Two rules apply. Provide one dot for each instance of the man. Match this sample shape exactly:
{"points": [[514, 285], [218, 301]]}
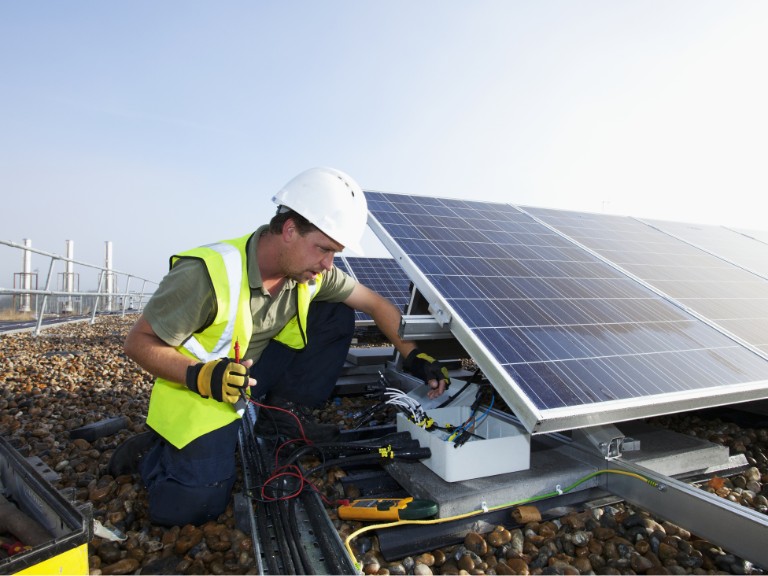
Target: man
{"points": [[276, 294]]}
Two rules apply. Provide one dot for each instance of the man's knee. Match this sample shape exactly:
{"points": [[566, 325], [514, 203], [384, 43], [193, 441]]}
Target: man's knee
{"points": [[191, 485], [174, 504]]}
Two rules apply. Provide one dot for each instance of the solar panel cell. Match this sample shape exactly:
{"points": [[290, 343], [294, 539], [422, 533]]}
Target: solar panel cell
{"points": [[717, 273], [567, 338], [382, 275]]}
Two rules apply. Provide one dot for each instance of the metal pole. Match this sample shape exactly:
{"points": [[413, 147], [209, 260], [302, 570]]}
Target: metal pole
{"points": [[108, 266], [69, 277], [125, 294], [26, 275], [141, 295], [98, 293], [45, 297]]}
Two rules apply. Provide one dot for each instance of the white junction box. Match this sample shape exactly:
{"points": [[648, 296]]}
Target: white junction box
{"points": [[497, 447]]}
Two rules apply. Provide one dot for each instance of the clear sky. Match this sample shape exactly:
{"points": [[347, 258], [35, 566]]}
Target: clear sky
{"points": [[164, 125]]}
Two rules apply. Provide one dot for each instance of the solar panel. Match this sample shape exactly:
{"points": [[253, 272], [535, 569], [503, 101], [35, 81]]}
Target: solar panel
{"points": [[740, 249], [382, 275], [340, 263], [760, 235], [692, 264], [567, 339]]}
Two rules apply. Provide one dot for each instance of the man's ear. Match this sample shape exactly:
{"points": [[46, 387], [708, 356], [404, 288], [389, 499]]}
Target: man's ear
{"points": [[289, 229]]}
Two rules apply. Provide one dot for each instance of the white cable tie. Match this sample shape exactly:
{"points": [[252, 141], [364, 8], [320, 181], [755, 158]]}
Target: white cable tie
{"points": [[559, 490], [484, 506]]}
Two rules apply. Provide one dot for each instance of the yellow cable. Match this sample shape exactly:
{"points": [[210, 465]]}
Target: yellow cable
{"points": [[356, 533]]}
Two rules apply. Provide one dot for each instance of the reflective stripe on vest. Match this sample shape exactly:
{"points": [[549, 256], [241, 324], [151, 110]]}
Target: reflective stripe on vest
{"points": [[235, 271], [175, 412]]}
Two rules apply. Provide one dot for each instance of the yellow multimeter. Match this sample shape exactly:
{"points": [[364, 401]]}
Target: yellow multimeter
{"points": [[387, 509]]}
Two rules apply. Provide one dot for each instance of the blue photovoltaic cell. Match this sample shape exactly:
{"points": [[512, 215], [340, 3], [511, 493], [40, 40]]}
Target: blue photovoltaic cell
{"points": [[711, 270], [740, 249], [567, 329], [339, 263], [383, 275]]}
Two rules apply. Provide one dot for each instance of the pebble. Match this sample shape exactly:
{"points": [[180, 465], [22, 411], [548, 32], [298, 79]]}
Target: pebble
{"points": [[499, 537], [78, 374], [475, 543], [124, 566]]}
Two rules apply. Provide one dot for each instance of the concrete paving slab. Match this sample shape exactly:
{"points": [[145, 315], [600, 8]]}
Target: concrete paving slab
{"points": [[551, 469], [671, 453], [558, 466]]}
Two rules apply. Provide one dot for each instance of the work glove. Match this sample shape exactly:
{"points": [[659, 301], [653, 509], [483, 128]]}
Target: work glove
{"points": [[425, 367], [221, 379]]}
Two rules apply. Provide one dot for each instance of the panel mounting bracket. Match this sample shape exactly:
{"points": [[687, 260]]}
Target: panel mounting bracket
{"points": [[607, 439], [423, 327], [442, 316]]}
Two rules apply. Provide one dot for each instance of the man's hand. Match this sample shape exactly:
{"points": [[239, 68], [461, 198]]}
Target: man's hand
{"points": [[432, 371], [221, 379]]}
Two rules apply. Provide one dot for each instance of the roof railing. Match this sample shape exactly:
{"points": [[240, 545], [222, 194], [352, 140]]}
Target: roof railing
{"points": [[69, 301]]}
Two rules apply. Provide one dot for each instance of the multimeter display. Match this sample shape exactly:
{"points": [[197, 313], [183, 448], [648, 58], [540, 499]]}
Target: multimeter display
{"points": [[387, 509]]}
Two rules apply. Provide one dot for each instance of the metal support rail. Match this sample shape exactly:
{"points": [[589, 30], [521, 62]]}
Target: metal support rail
{"points": [[738, 529]]}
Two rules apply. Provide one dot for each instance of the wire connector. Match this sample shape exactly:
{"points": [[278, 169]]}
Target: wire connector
{"points": [[426, 422], [387, 452]]}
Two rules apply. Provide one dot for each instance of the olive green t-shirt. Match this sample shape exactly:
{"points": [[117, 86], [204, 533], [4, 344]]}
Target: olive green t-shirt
{"points": [[184, 301]]}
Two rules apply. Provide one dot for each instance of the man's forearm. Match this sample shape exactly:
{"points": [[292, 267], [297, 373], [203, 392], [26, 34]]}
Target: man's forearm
{"points": [[145, 348]]}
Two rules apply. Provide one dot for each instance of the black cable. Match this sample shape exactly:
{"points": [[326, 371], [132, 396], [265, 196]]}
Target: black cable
{"points": [[466, 385], [292, 536], [395, 440], [264, 515], [275, 439], [362, 419], [363, 459], [293, 521], [413, 454]]}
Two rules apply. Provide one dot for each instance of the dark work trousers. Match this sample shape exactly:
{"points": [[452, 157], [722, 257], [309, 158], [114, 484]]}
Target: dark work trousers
{"points": [[193, 485], [308, 376]]}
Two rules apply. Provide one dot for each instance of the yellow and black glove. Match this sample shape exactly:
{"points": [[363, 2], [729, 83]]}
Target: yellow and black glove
{"points": [[221, 379], [425, 367]]}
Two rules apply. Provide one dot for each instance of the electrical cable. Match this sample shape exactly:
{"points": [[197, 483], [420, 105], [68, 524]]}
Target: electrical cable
{"points": [[290, 525], [396, 398], [365, 416], [466, 430], [557, 492], [396, 441], [415, 454], [466, 385]]}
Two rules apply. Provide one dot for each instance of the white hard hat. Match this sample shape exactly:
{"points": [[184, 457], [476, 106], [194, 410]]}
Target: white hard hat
{"points": [[330, 200]]}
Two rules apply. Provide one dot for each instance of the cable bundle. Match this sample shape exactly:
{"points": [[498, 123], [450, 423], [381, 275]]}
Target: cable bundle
{"points": [[405, 404]]}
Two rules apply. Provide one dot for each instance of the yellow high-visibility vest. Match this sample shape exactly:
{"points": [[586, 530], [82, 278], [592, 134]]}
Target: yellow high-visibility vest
{"points": [[175, 412]]}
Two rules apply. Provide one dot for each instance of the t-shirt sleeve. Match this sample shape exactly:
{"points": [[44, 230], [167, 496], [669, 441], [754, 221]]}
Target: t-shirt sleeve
{"points": [[336, 286], [183, 302]]}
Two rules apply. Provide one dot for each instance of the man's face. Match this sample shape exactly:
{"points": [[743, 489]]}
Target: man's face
{"points": [[310, 255]]}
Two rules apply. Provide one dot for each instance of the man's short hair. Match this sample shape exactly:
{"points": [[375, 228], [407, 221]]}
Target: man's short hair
{"points": [[283, 214]]}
